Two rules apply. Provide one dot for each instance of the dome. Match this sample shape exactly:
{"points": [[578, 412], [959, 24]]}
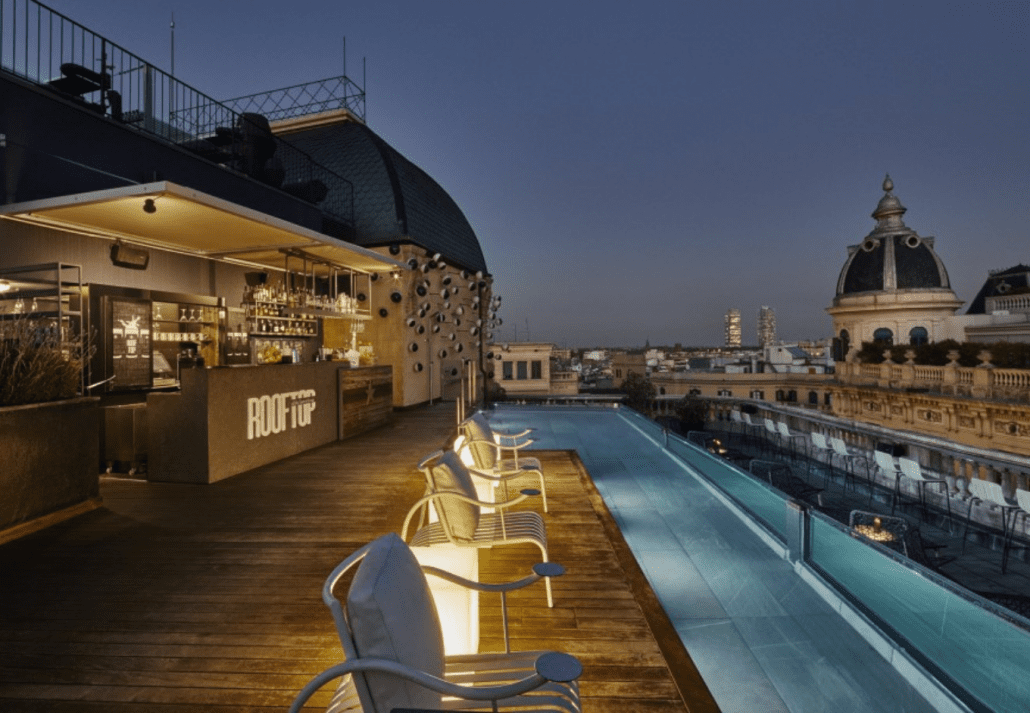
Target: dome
{"points": [[893, 256], [394, 200]]}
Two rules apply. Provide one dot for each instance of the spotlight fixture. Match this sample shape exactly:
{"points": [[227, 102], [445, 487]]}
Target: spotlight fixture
{"points": [[420, 329], [396, 296], [149, 206], [5, 286], [395, 249], [413, 347], [443, 353], [417, 366], [413, 263], [411, 321], [374, 276], [383, 312], [437, 257]]}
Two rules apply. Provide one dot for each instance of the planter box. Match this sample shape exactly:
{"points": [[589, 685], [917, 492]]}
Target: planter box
{"points": [[49, 458]]}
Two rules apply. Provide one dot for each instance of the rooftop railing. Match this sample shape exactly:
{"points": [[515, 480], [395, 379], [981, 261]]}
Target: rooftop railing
{"points": [[320, 96], [46, 48]]}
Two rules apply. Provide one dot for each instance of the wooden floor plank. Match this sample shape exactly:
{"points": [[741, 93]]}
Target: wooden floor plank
{"points": [[179, 598]]}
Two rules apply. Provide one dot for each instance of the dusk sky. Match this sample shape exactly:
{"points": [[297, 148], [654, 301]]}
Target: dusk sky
{"points": [[633, 170]]}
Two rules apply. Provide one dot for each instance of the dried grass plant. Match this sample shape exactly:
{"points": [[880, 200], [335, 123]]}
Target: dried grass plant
{"points": [[35, 366]]}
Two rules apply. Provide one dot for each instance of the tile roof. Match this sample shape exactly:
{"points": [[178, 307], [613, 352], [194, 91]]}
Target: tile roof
{"points": [[394, 200]]}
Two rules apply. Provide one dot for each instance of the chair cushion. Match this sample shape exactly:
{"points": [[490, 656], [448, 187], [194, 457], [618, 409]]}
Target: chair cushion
{"points": [[392, 616], [459, 518], [484, 452]]}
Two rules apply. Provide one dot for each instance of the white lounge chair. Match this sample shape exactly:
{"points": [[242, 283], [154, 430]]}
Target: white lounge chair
{"points": [[393, 647], [461, 522], [487, 448]]}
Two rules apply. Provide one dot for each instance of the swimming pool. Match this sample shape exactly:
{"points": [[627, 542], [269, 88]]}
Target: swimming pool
{"points": [[767, 634]]}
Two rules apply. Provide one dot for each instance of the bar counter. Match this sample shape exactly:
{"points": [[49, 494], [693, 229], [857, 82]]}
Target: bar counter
{"points": [[227, 420]]}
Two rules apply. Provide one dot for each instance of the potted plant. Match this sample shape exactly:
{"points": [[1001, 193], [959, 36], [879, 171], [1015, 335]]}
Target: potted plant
{"points": [[49, 432]]}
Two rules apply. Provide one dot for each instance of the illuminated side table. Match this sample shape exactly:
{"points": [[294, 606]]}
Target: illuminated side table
{"points": [[457, 607]]}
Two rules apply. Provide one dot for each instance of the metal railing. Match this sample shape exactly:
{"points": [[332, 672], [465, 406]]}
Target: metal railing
{"points": [[45, 47], [322, 95]]}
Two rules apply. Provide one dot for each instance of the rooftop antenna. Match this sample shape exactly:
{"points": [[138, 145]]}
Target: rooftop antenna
{"points": [[173, 43]]}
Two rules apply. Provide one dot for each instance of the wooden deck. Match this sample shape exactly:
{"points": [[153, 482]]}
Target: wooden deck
{"points": [[177, 598]]}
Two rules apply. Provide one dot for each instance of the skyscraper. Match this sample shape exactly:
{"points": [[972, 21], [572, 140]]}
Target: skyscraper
{"points": [[766, 326], [733, 328]]}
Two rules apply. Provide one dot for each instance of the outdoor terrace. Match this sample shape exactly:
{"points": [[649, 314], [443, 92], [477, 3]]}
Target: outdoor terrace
{"points": [[207, 598]]}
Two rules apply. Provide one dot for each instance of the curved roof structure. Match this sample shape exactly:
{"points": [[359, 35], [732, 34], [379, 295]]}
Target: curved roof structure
{"points": [[893, 256], [394, 200], [1012, 281]]}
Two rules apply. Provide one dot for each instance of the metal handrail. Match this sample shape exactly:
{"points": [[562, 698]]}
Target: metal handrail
{"points": [[53, 51]]}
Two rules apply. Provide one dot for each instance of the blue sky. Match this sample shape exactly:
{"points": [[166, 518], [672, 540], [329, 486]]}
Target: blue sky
{"points": [[633, 170]]}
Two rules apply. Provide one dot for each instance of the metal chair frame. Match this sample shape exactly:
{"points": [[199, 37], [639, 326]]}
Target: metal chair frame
{"points": [[985, 491], [495, 528], [499, 680], [911, 469]]}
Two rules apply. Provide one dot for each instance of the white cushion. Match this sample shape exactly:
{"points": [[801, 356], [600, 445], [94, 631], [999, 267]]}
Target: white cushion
{"points": [[392, 616], [449, 474], [484, 452]]}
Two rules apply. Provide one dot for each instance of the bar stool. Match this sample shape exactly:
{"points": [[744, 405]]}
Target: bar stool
{"points": [[848, 460], [889, 467], [772, 435], [990, 493], [789, 437], [910, 469]]}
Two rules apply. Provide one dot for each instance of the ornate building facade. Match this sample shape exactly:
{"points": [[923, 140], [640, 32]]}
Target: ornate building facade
{"points": [[893, 287]]}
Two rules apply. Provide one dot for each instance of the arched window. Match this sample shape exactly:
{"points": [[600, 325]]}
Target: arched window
{"points": [[845, 344], [918, 336], [661, 390], [884, 336], [813, 398]]}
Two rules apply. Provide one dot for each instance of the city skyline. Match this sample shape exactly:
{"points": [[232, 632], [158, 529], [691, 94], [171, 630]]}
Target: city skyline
{"points": [[630, 171]]}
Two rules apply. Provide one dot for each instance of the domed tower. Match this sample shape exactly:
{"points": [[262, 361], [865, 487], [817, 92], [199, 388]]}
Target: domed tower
{"points": [[893, 288]]}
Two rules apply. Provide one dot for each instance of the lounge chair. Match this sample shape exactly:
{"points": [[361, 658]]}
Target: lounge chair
{"points": [[461, 522], [393, 647], [487, 448]]}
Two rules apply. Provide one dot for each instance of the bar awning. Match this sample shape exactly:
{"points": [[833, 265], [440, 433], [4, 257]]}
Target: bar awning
{"points": [[187, 221]]}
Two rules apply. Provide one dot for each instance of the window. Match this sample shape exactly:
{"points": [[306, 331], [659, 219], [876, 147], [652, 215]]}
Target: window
{"points": [[884, 337], [520, 370], [506, 371], [725, 392], [918, 336], [536, 370], [756, 394], [813, 398]]}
